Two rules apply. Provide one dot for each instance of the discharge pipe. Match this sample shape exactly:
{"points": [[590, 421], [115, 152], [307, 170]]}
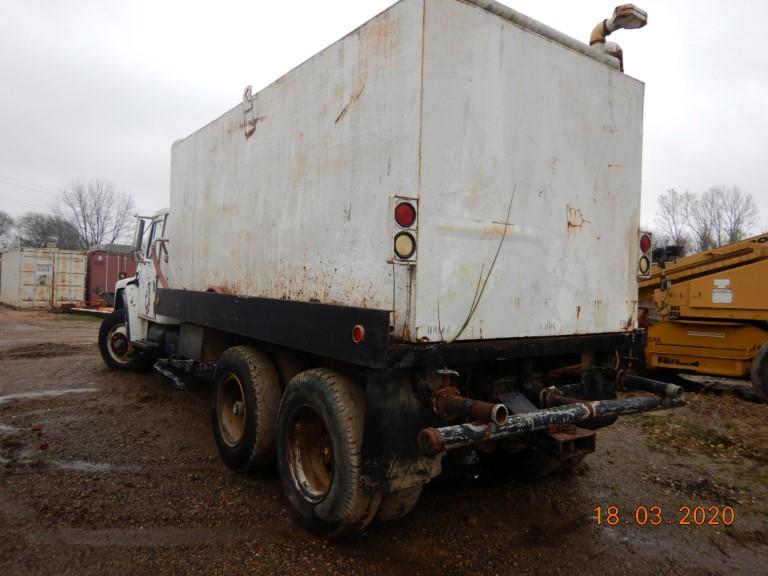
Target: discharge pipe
{"points": [[448, 402], [627, 16]]}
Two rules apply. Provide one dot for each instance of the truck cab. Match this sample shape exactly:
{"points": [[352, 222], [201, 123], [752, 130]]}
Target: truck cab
{"points": [[124, 345]]}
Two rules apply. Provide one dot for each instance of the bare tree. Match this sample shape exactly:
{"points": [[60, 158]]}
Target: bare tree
{"points": [[37, 230], [739, 214], [99, 212], [6, 225], [704, 220], [721, 215], [672, 217]]}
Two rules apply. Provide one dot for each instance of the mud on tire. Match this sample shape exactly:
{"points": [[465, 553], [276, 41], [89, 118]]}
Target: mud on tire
{"points": [[244, 404], [319, 444]]}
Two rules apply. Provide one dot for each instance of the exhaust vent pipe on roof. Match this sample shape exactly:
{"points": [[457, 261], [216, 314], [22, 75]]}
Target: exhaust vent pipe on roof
{"points": [[627, 16]]}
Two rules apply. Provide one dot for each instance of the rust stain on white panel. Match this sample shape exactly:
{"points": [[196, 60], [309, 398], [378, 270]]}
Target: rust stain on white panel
{"points": [[506, 109], [464, 107], [300, 209]]}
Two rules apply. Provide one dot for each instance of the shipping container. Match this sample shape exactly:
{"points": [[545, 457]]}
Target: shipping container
{"points": [[42, 278], [107, 264]]}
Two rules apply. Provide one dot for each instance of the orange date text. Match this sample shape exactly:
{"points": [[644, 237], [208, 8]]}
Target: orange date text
{"points": [[654, 515]]}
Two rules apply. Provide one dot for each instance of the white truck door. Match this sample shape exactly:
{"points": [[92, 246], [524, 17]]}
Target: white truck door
{"points": [[147, 268]]}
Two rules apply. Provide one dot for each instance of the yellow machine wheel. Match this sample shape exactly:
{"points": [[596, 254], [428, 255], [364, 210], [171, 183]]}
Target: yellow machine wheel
{"points": [[760, 373]]}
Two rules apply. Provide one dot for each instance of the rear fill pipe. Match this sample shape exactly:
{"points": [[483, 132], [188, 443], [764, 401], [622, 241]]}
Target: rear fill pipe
{"points": [[455, 405]]}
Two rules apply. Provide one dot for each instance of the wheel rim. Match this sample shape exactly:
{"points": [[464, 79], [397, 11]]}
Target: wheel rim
{"points": [[310, 455], [118, 344], [231, 408]]}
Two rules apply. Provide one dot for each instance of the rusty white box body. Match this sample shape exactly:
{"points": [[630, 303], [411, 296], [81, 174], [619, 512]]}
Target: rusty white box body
{"points": [[468, 113], [42, 278]]}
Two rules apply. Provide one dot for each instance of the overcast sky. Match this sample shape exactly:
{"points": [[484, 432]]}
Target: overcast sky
{"points": [[102, 88]]}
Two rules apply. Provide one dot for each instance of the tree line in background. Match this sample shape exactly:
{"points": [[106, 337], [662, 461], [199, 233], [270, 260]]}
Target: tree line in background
{"points": [[84, 215], [697, 222]]}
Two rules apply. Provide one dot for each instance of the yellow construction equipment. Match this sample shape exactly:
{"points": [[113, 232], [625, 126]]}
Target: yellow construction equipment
{"points": [[714, 313]]}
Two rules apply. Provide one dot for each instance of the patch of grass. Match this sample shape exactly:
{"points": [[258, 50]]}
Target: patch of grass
{"points": [[673, 435], [658, 420], [79, 317], [704, 435], [762, 478]]}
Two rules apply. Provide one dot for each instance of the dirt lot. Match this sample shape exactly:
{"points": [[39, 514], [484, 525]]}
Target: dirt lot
{"points": [[113, 473]]}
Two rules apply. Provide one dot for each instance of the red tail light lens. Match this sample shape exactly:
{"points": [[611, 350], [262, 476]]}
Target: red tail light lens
{"points": [[645, 243], [405, 214], [358, 333]]}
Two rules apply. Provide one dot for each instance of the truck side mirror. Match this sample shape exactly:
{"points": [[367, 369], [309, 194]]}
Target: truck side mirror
{"points": [[138, 235]]}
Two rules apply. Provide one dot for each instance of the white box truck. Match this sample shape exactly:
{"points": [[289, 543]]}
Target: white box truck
{"points": [[423, 240]]}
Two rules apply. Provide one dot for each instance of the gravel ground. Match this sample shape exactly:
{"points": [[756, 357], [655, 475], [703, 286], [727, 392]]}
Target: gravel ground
{"points": [[118, 473]]}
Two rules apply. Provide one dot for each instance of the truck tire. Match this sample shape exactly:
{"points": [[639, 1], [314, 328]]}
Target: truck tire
{"points": [[395, 505], [116, 348], [244, 404], [319, 445], [760, 373]]}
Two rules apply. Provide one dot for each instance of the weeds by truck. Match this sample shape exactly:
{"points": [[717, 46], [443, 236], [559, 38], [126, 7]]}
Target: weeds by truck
{"points": [[421, 242]]}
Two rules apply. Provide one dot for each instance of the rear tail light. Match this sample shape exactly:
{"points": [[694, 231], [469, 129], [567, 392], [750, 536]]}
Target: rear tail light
{"points": [[405, 214], [644, 266], [358, 333], [645, 243], [405, 245], [644, 261], [405, 230]]}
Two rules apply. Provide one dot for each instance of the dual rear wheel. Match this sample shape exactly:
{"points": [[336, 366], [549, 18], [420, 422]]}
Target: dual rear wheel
{"points": [[314, 432]]}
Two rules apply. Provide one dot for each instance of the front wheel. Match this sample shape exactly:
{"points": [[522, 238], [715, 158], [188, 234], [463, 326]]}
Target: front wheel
{"points": [[319, 453], [116, 348]]}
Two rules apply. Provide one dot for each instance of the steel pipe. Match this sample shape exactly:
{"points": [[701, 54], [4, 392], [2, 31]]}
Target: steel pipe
{"points": [[433, 441], [448, 403], [670, 391]]}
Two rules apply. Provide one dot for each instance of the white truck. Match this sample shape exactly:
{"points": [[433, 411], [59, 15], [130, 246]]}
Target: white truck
{"points": [[423, 240]]}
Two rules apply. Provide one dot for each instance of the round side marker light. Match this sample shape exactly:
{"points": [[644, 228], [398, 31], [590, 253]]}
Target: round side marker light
{"points": [[405, 245], [644, 265], [645, 243], [405, 214], [358, 333]]}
